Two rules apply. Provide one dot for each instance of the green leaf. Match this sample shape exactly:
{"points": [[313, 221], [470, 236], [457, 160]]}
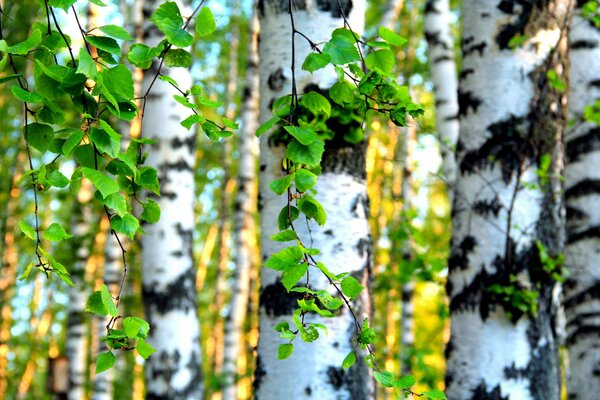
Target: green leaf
{"points": [[292, 275], [191, 120], [151, 212], [283, 220], [144, 349], [64, 4], [27, 271], [148, 179], [57, 179], [103, 183], [305, 136], [39, 136], [342, 47], [316, 61], [351, 287], [342, 93], [141, 55], [104, 142], [285, 236], [309, 305], [7, 78], [168, 19], [405, 382], [27, 45], [280, 186], [105, 361], [316, 103], [205, 22], [86, 65], [118, 82], [105, 43], [309, 155], [285, 258], [284, 351], [27, 230], [328, 300], [305, 180], [391, 37], [349, 360], [108, 302], [313, 209], [26, 96], [55, 233], [184, 101], [128, 224], [435, 394], [116, 32], [385, 378], [178, 58], [117, 203], [267, 125], [131, 327], [381, 60]]}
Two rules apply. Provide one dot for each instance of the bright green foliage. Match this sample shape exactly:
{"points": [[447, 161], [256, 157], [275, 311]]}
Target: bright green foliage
{"points": [[105, 361], [205, 23]]}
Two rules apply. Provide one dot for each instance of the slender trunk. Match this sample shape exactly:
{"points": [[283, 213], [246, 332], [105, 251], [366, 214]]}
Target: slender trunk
{"points": [[440, 44], [169, 273], [582, 173], [503, 342], [314, 369], [244, 226]]}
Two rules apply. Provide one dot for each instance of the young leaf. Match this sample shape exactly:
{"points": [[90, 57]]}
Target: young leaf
{"points": [[27, 271], [27, 45], [305, 180], [385, 378], [148, 179], [26, 96], [405, 382], [151, 212], [305, 136], [316, 103], [391, 37], [309, 155], [351, 287], [342, 93], [95, 305], [144, 349], [105, 43], [313, 209], [131, 327], [116, 202], [168, 19], [283, 219], [342, 47], [86, 65], [279, 186], [27, 230], [108, 302], [205, 22], [267, 125], [56, 233], [292, 275], [315, 61], [116, 32], [284, 351], [178, 58], [57, 179], [285, 258], [103, 183], [381, 60], [128, 224], [285, 236], [104, 142], [349, 360], [435, 394], [39, 136], [141, 55], [105, 361]]}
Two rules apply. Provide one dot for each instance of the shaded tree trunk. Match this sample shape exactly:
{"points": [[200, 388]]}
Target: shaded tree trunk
{"points": [[440, 45], [503, 341], [169, 273], [582, 289], [244, 232], [314, 369]]}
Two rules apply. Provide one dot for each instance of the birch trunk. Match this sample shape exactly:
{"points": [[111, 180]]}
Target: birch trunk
{"points": [[582, 289], [440, 45], [510, 119], [314, 369], [169, 273], [244, 232]]}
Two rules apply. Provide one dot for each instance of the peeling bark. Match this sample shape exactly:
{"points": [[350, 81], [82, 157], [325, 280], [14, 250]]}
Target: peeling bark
{"points": [[314, 369], [510, 118]]}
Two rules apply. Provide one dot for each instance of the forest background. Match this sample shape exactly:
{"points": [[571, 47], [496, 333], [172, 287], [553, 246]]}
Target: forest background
{"points": [[409, 218]]}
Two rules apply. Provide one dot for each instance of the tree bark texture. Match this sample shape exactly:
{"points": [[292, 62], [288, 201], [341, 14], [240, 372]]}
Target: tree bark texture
{"points": [[440, 45], [169, 273], [582, 288], [511, 118], [314, 369]]}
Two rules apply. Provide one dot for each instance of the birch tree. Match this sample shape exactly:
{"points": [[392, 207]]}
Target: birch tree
{"points": [[169, 273], [314, 369], [582, 294], [244, 232], [440, 46], [507, 222]]}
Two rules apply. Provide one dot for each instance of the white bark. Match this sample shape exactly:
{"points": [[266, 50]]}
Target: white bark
{"points": [[440, 44], [390, 18], [582, 289], [169, 273], [314, 369], [510, 117], [244, 232], [76, 341]]}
